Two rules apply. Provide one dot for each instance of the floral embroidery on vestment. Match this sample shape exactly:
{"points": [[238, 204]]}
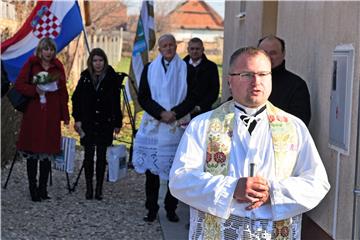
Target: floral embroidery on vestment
{"points": [[219, 137]]}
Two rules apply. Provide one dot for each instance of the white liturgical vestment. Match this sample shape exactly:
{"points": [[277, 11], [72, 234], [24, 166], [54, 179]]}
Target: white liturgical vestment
{"points": [[204, 192]]}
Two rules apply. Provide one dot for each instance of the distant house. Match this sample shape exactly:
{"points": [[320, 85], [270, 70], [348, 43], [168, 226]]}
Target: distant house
{"points": [[196, 18], [108, 20], [108, 16]]}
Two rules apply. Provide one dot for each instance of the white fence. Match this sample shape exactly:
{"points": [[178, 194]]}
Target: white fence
{"points": [[110, 42], [7, 10]]}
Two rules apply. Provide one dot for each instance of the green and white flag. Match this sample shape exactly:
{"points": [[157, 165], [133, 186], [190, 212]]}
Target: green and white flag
{"points": [[144, 42]]}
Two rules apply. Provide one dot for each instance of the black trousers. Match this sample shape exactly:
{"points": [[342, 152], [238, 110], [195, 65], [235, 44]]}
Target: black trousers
{"points": [[152, 186], [100, 161]]}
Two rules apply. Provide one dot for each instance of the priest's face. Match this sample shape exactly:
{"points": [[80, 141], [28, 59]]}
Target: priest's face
{"points": [[167, 48], [250, 79]]}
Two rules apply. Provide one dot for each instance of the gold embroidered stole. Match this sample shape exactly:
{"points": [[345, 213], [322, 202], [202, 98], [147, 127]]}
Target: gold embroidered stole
{"points": [[219, 137]]}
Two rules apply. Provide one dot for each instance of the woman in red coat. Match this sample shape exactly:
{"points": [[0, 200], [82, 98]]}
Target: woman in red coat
{"points": [[40, 133]]}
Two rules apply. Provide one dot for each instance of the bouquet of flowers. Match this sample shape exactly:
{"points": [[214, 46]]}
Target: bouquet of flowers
{"points": [[46, 83]]}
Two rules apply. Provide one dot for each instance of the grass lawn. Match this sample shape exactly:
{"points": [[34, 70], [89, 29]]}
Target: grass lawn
{"points": [[123, 65]]}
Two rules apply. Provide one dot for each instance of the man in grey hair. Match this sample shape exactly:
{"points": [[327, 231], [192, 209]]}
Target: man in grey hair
{"points": [[165, 96]]}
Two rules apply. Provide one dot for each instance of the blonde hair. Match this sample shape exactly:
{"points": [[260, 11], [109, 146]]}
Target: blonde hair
{"points": [[45, 43]]}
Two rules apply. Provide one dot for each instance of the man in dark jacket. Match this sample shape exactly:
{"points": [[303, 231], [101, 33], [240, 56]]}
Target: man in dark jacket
{"points": [[205, 76], [289, 91]]}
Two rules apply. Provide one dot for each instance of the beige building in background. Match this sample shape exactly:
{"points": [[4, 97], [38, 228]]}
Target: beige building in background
{"points": [[312, 32]]}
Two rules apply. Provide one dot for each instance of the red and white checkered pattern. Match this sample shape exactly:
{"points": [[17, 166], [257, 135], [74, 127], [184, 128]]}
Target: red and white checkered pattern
{"points": [[47, 26]]}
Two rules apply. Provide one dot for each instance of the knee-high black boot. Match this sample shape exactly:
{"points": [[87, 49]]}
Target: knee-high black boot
{"points": [[100, 170], [89, 170], [45, 166], [31, 167]]}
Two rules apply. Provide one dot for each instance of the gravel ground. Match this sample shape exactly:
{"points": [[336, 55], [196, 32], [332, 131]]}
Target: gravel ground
{"points": [[68, 215]]}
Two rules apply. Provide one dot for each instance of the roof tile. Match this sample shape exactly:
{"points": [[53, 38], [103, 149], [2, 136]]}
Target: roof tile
{"points": [[195, 14]]}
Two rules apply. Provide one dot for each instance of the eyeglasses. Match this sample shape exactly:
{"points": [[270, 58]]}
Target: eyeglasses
{"points": [[250, 75]]}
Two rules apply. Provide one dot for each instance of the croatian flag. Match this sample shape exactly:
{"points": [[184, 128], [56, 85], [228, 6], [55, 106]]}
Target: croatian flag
{"points": [[60, 20]]}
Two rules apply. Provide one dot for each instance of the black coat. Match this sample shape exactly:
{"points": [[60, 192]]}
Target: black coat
{"points": [[153, 108], [98, 110], [205, 77], [290, 93]]}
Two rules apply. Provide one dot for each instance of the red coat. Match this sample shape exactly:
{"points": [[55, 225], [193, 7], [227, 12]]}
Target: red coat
{"points": [[40, 130]]}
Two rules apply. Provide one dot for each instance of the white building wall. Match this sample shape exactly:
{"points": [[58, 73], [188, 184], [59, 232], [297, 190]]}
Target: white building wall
{"points": [[239, 32], [205, 35], [311, 31]]}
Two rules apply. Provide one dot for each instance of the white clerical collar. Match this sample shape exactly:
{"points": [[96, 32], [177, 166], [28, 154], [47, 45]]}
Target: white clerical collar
{"points": [[191, 62], [166, 62], [249, 111]]}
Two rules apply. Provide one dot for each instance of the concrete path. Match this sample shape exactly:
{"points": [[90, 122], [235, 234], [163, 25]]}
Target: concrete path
{"points": [[170, 230]]}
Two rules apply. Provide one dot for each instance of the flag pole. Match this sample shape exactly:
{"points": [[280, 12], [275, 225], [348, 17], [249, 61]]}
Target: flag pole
{"points": [[86, 40], [87, 22]]}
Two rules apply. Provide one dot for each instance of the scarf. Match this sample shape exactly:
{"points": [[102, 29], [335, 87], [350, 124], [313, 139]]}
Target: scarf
{"points": [[168, 88]]}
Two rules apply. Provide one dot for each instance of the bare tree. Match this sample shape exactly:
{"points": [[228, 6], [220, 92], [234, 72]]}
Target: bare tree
{"points": [[162, 9], [23, 9], [100, 12]]}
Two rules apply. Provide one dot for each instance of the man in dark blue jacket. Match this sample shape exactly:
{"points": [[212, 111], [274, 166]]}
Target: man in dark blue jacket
{"points": [[289, 91], [205, 76]]}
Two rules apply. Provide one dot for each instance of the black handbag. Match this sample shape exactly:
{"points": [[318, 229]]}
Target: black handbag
{"points": [[18, 100]]}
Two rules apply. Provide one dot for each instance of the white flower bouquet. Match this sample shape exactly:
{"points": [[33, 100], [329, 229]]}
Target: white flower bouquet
{"points": [[45, 82]]}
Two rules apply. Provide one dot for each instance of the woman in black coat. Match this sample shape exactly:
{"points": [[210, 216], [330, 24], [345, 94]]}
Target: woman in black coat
{"points": [[97, 114]]}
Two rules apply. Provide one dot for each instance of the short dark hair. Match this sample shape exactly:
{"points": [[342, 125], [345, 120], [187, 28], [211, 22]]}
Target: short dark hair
{"points": [[252, 51], [196, 40], [271, 37]]}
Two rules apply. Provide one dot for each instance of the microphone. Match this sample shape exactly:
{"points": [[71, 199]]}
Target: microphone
{"points": [[252, 169]]}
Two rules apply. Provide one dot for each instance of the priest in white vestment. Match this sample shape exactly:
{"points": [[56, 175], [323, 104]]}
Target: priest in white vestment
{"points": [[165, 96], [247, 169]]}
